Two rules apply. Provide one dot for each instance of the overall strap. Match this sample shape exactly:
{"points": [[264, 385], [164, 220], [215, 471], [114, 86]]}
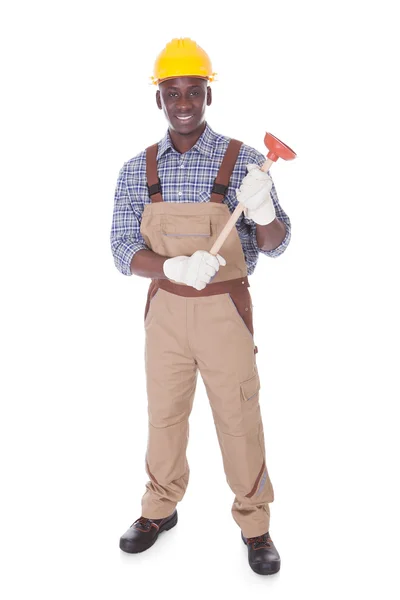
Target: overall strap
{"points": [[153, 181], [221, 182]]}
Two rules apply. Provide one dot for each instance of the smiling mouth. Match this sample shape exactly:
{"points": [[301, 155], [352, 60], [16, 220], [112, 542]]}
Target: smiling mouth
{"points": [[185, 118]]}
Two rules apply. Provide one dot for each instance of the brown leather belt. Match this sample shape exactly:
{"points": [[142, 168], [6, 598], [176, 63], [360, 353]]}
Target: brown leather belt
{"points": [[221, 287]]}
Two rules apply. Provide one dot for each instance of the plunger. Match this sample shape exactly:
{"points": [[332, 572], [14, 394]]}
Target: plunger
{"points": [[277, 149]]}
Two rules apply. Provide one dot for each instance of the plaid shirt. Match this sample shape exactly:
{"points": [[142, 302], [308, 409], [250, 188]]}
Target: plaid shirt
{"points": [[186, 177]]}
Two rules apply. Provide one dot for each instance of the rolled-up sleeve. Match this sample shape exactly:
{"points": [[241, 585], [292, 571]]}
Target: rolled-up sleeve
{"points": [[126, 238]]}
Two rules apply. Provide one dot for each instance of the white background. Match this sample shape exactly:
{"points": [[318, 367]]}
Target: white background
{"points": [[76, 104]]}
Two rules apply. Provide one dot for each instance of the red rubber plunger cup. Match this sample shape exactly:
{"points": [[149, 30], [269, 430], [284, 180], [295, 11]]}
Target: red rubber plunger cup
{"points": [[277, 149]]}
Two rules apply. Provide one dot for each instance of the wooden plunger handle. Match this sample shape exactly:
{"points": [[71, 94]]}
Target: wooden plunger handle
{"points": [[233, 218]]}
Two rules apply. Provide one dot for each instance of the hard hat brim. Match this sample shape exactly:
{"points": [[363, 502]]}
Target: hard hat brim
{"points": [[208, 78]]}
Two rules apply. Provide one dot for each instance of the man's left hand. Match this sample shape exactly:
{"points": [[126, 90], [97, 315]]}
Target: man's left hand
{"points": [[254, 194]]}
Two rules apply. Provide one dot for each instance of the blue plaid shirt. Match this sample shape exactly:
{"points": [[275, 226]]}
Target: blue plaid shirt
{"points": [[186, 177]]}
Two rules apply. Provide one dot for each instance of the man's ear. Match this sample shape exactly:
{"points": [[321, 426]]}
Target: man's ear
{"points": [[209, 96], [158, 99]]}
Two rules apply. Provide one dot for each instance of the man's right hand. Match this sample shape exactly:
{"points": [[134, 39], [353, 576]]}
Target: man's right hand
{"points": [[196, 270]]}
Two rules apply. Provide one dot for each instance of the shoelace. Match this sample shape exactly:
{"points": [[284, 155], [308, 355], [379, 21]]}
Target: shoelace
{"points": [[260, 540], [142, 520]]}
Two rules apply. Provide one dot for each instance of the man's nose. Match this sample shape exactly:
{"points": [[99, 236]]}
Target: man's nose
{"points": [[183, 103]]}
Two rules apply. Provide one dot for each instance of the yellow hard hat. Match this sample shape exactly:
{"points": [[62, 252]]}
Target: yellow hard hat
{"points": [[182, 57]]}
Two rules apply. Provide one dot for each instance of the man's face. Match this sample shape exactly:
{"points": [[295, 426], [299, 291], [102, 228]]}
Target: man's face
{"points": [[184, 101]]}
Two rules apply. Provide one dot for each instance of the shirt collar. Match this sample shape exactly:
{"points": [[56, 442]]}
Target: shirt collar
{"points": [[205, 144]]}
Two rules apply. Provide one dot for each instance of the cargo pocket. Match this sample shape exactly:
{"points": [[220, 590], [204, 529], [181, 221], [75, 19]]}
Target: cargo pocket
{"points": [[250, 392], [250, 388]]}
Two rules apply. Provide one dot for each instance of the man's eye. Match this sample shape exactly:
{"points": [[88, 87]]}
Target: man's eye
{"points": [[195, 93], [172, 94]]}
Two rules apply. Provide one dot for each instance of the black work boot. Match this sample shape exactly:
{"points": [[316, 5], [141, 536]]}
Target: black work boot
{"points": [[143, 533], [264, 558]]}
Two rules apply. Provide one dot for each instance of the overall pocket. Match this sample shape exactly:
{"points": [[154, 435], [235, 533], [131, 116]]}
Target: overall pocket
{"points": [[240, 301], [151, 294], [184, 234], [183, 226]]}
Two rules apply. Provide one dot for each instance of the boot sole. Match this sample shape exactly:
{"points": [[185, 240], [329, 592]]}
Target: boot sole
{"points": [[126, 547], [264, 568]]}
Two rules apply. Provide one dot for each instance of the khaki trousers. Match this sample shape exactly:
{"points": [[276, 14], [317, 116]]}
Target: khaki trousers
{"points": [[185, 335]]}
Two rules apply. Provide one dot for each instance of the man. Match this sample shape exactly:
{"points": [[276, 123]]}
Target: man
{"points": [[171, 203]]}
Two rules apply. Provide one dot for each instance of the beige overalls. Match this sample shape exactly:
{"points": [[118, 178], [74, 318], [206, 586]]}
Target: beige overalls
{"points": [[208, 331]]}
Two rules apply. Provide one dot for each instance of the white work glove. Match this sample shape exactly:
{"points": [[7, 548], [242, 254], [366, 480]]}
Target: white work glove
{"points": [[254, 193], [196, 270]]}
